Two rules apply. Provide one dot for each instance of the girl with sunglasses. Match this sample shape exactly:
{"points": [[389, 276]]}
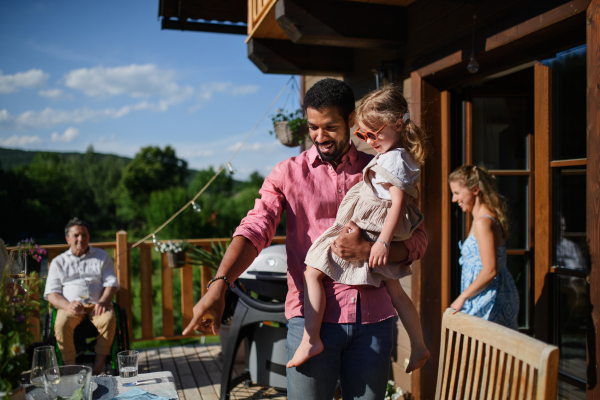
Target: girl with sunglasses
{"points": [[382, 205]]}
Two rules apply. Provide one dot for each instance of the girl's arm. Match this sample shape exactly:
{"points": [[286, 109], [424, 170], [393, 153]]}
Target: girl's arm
{"points": [[379, 251], [482, 230]]}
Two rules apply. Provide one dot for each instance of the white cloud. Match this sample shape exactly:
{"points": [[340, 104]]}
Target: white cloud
{"points": [[50, 116], [264, 147], [68, 136], [54, 94], [30, 79], [137, 81], [20, 140], [207, 90]]}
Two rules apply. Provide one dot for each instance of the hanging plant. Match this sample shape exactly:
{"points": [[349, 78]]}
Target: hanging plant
{"points": [[291, 129]]}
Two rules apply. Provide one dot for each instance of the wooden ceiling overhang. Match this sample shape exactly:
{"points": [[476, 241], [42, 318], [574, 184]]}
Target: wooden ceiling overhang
{"points": [[219, 16], [434, 37]]}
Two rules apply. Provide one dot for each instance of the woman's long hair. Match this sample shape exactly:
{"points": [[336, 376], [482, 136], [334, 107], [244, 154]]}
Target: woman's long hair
{"points": [[385, 106], [470, 176]]}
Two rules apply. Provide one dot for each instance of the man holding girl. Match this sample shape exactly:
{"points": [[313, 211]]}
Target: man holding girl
{"points": [[357, 321]]}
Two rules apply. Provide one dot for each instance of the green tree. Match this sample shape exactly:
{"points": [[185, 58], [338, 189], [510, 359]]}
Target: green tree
{"points": [[152, 169]]}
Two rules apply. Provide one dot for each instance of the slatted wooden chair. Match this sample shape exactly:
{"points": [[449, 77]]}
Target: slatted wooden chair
{"points": [[483, 360]]}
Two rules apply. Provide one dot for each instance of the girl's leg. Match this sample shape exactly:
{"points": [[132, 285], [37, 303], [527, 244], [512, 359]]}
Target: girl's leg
{"points": [[410, 319], [314, 307]]}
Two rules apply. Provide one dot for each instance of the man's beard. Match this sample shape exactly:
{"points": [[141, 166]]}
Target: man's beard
{"points": [[338, 148]]}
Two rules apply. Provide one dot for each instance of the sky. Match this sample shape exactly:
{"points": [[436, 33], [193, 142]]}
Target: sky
{"points": [[103, 73]]}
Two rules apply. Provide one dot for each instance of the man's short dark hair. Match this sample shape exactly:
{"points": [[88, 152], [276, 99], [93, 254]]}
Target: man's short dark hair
{"points": [[329, 93], [76, 222]]}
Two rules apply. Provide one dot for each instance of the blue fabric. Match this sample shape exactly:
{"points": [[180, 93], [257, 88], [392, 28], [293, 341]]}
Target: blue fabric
{"points": [[358, 354], [499, 302], [138, 394]]}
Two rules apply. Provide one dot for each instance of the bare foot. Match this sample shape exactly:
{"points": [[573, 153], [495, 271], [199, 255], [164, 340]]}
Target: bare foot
{"points": [[305, 351], [417, 359]]}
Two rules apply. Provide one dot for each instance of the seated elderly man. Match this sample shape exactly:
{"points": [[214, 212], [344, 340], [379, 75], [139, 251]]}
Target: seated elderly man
{"points": [[81, 284]]}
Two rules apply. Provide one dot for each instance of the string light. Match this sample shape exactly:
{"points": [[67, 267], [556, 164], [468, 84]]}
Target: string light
{"points": [[231, 169], [196, 206], [229, 166]]}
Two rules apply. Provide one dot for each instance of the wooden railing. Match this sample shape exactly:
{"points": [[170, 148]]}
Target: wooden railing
{"points": [[122, 262], [257, 10]]}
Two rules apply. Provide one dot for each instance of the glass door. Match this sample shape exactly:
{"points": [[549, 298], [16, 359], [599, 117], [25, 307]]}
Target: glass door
{"points": [[498, 135], [568, 170]]}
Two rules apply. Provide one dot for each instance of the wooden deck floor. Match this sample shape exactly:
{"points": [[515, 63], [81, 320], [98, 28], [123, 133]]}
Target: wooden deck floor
{"points": [[197, 372]]}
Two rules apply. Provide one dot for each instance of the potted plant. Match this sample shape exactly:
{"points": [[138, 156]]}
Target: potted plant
{"points": [[15, 337], [212, 259], [33, 252], [291, 129], [175, 252]]}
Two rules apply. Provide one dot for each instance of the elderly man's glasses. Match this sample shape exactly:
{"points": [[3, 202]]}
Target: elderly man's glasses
{"points": [[368, 134]]}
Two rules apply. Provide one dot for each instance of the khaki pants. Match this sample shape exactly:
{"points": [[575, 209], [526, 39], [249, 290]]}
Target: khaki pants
{"points": [[65, 325]]}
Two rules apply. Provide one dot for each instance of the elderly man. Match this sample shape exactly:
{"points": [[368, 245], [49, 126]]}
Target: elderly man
{"points": [[81, 284]]}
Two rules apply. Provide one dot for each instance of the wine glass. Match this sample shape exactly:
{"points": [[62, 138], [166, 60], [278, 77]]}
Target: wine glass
{"points": [[16, 267], [44, 358], [85, 297]]}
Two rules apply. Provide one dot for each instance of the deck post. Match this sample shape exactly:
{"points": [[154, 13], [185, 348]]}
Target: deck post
{"points": [[124, 276], [146, 291]]}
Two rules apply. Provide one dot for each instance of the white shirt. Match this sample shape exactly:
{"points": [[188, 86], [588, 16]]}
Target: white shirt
{"points": [[400, 163], [69, 275]]}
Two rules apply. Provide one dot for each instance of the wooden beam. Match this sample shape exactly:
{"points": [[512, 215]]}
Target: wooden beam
{"points": [[445, 152], [284, 57], [593, 197], [180, 25], [167, 297], [543, 199], [187, 292], [208, 10], [535, 24], [441, 64], [427, 276], [340, 23], [122, 257], [146, 290]]}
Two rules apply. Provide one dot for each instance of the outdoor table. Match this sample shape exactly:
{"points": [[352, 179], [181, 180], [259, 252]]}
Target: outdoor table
{"points": [[158, 383]]}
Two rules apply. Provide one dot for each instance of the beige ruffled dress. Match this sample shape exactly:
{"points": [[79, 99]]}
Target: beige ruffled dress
{"points": [[369, 212]]}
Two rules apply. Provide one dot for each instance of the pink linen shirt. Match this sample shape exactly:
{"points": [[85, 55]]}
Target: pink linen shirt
{"points": [[310, 191]]}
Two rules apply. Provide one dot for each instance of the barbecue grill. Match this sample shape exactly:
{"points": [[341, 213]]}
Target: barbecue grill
{"points": [[259, 320]]}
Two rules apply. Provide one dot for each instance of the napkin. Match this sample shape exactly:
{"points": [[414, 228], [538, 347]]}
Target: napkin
{"points": [[138, 394]]}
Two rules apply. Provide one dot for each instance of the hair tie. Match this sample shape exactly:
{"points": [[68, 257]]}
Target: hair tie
{"points": [[405, 117]]}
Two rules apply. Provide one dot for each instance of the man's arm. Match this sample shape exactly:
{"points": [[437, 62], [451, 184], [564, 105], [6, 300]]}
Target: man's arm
{"points": [[208, 311], [104, 302], [351, 245], [58, 301]]}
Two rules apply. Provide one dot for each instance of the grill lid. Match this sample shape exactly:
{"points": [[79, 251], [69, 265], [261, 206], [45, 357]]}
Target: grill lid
{"points": [[271, 264]]}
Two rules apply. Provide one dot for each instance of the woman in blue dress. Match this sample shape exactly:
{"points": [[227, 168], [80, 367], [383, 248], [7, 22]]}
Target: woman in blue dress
{"points": [[487, 287]]}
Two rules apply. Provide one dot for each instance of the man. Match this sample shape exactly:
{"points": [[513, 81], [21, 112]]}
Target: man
{"points": [[357, 324], [81, 284]]}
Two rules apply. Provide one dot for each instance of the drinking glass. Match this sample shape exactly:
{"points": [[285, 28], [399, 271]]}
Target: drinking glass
{"points": [[16, 267], [128, 367], [44, 358], [69, 382]]}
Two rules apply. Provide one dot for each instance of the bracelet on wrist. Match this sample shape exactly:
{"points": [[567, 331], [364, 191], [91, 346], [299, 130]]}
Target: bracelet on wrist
{"points": [[386, 244], [216, 278]]}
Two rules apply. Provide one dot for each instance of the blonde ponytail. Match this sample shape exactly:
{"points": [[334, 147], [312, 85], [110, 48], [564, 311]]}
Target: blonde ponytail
{"points": [[470, 176]]}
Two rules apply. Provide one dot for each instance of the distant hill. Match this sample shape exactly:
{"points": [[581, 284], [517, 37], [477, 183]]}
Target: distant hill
{"points": [[12, 158]]}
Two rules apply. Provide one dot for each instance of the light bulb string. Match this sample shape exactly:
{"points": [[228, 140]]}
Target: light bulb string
{"points": [[153, 234]]}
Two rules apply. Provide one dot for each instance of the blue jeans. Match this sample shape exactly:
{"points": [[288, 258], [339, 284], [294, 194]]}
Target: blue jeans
{"points": [[358, 354]]}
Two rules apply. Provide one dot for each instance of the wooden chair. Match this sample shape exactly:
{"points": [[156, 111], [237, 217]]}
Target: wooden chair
{"points": [[483, 360]]}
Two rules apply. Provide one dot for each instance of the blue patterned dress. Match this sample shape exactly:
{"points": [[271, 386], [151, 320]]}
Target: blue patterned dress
{"points": [[499, 301]]}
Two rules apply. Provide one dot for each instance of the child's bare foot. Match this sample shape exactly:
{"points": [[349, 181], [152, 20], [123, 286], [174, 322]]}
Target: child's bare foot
{"points": [[305, 351], [417, 359]]}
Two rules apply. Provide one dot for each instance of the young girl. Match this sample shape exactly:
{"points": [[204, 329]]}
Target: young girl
{"points": [[382, 206], [487, 287]]}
